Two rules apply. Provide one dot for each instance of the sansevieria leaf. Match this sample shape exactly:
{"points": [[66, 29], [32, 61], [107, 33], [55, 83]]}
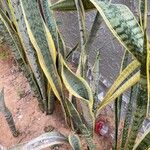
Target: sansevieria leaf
{"points": [[74, 142], [121, 78], [69, 5], [79, 88], [129, 114], [17, 50], [143, 143], [50, 100], [80, 125], [142, 104], [16, 11], [7, 114], [43, 141], [118, 101], [82, 67], [44, 46], [143, 14], [93, 32], [52, 26], [131, 81], [123, 25], [96, 73]]}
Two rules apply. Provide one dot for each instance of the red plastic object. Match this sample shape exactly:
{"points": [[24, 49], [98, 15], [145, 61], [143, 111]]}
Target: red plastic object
{"points": [[99, 126]]}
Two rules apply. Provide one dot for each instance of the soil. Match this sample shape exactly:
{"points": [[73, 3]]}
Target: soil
{"points": [[29, 120]]}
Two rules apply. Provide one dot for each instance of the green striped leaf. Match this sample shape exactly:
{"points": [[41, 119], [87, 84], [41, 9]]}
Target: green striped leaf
{"points": [[80, 125], [69, 5], [129, 114], [143, 143], [19, 21], [118, 101], [51, 100], [51, 24], [96, 73], [74, 142], [122, 77], [79, 88], [139, 114], [93, 32], [131, 81], [143, 96], [81, 21], [13, 40], [143, 13], [44, 46], [123, 25], [7, 114], [2, 103], [86, 108]]}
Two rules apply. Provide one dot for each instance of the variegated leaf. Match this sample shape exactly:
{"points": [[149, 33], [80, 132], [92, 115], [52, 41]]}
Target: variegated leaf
{"points": [[69, 5], [129, 114], [122, 77], [43, 141], [44, 46], [80, 125], [19, 21], [74, 142], [51, 24], [143, 143], [7, 114], [13, 40], [122, 23], [131, 81], [79, 88]]}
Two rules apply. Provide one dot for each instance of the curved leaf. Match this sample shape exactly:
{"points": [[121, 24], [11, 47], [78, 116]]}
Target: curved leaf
{"points": [[122, 77], [43, 141], [75, 83], [69, 5], [131, 81], [142, 104], [123, 25], [80, 125], [74, 142], [143, 97], [78, 87]]}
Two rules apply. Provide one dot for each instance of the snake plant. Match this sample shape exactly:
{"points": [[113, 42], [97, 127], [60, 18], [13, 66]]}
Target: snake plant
{"points": [[40, 51]]}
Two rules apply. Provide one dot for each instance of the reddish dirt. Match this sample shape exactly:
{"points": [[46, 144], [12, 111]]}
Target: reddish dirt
{"points": [[29, 120]]}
